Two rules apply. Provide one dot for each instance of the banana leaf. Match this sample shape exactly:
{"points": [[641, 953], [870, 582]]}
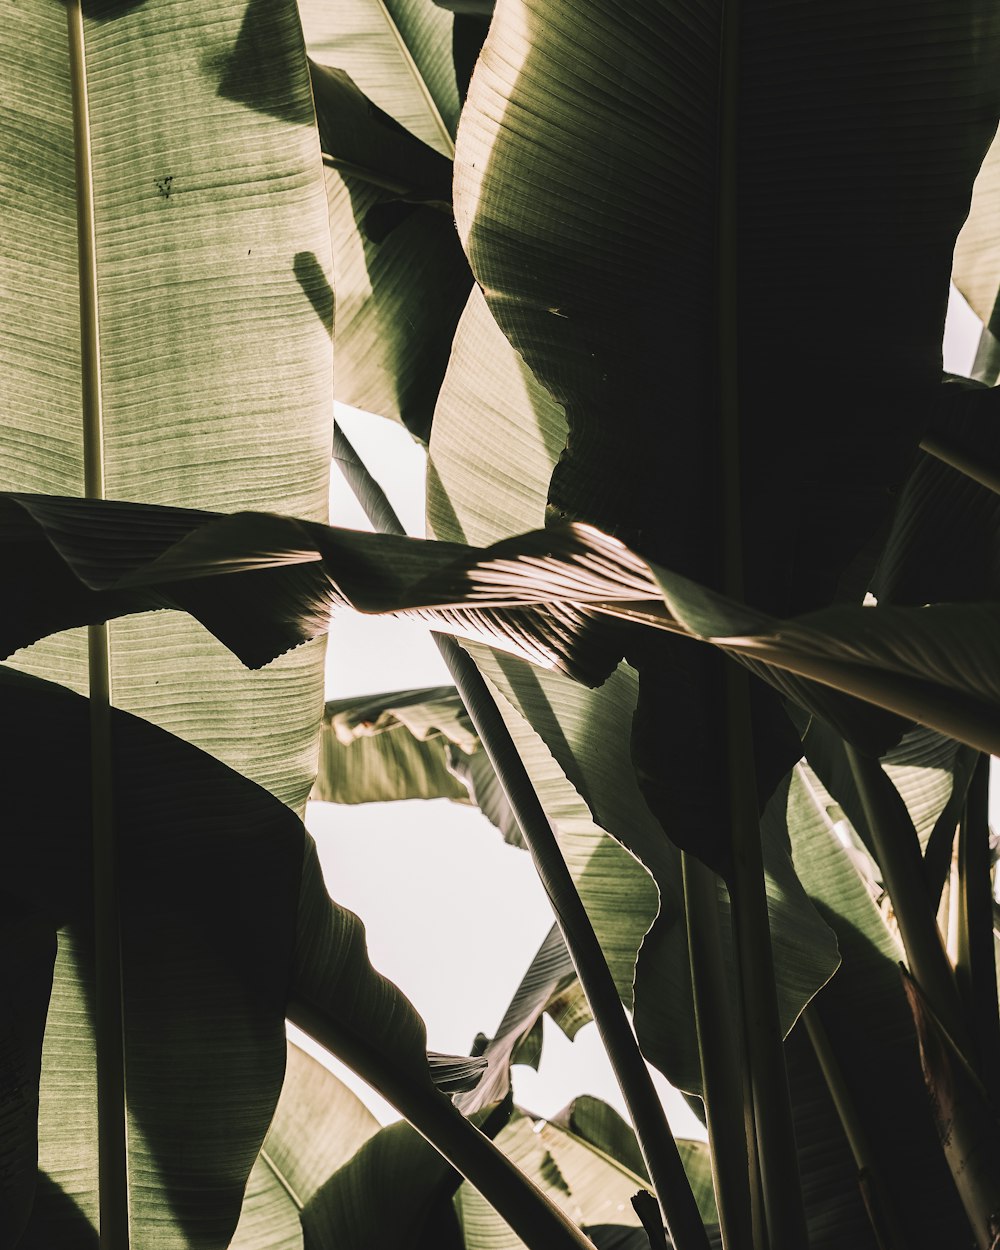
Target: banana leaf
{"points": [[866, 1018], [211, 246], [394, 746], [400, 275], [592, 194], [264, 583], [318, 1126], [226, 928]]}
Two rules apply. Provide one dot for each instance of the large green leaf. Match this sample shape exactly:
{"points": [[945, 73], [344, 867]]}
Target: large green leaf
{"points": [[395, 1194], [591, 194], [318, 1125], [556, 596], [226, 927], [400, 275], [211, 247]]}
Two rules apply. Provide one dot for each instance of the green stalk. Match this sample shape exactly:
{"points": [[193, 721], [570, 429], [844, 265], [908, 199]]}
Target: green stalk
{"points": [[662, 1158], [874, 1191], [729, 1128], [779, 1170], [765, 1059], [108, 1015], [898, 850], [966, 1123], [975, 965], [536, 1220]]}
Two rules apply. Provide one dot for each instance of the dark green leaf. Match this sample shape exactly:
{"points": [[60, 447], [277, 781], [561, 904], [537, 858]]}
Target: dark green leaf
{"points": [[224, 916], [383, 1198]]}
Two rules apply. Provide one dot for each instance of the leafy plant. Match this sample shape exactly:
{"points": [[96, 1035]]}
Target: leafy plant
{"points": [[679, 376]]}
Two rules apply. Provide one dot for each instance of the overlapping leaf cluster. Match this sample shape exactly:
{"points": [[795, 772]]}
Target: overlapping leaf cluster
{"points": [[570, 400]]}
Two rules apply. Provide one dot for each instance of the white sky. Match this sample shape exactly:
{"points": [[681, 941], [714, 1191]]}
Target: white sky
{"points": [[453, 914]]}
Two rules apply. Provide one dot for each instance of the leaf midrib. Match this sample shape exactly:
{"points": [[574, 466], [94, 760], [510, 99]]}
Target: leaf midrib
{"points": [[282, 1179], [418, 78]]}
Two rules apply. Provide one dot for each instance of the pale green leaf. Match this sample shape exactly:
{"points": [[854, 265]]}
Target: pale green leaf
{"points": [[318, 1125], [393, 746], [400, 275], [976, 270], [600, 1126], [212, 247]]}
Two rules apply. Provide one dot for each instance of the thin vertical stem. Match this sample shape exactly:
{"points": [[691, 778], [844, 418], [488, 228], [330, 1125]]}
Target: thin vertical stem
{"points": [[659, 1149], [778, 1158], [768, 1080], [898, 850], [718, 1047], [874, 1191], [108, 1016], [975, 965]]}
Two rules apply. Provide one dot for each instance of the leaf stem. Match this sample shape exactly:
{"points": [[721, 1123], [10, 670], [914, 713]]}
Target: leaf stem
{"points": [[659, 1149], [779, 1169], [531, 1215], [975, 966], [108, 1014], [718, 1049], [764, 1052], [898, 850], [874, 1191]]}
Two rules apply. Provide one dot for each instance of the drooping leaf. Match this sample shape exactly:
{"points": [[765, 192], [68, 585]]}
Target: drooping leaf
{"points": [[414, 744], [550, 985], [400, 275], [212, 960], [211, 241], [592, 1185], [393, 746]]}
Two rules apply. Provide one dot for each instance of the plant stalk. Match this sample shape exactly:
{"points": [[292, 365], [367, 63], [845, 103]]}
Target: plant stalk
{"points": [[779, 1170], [729, 1129], [662, 1158], [898, 850], [874, 1192], [975, 965], [536, 1220], [764, 1051], [108, 1013]]}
